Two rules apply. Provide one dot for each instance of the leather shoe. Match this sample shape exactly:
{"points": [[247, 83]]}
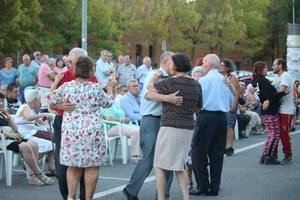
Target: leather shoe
{"points": [[198, 192], [212, 193], [129, 196]]}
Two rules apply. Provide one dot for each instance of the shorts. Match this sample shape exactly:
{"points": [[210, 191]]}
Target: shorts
{"points": [[14, 146], [231, 119]]}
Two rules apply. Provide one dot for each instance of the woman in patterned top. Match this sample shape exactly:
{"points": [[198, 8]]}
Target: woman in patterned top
{"points": [[83, 142], [176, 125]]}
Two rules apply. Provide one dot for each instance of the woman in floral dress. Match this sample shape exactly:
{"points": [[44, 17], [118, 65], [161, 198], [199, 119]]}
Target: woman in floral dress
{"points": [[83, 142]]}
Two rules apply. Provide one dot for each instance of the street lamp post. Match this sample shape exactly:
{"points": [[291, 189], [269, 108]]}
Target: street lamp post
{"points": [[84, 25]]}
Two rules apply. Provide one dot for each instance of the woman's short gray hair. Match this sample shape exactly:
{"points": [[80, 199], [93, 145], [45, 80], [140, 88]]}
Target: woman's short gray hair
{"points": [[31, 95], [198, 69], [44, 58]]}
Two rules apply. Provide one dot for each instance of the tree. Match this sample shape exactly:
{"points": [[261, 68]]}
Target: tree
{"points": [[19, 23]]}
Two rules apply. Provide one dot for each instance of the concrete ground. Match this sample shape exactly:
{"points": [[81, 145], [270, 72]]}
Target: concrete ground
{"points": [[242, 179]]}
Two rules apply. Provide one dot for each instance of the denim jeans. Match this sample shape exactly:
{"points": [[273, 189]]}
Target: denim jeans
{"points": [[148, 134]]}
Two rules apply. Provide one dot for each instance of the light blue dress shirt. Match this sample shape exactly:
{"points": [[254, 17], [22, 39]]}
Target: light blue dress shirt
{"points": [[130, 106], [216, 95], [149, 107], [142, 72]]}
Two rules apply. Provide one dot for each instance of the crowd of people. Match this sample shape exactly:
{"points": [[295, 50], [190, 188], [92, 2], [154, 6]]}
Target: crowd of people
{"points": [[180, 118]]}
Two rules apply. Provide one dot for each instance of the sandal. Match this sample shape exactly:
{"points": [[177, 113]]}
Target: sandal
{"points": [[51, 172], [33, 180], [46, 180]]}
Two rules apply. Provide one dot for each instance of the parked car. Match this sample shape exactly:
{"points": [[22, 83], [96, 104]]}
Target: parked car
{"points": [[271, 76], [244, 76]]}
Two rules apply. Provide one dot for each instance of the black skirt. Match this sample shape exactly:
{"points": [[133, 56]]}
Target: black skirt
{"points": [[14, 146]]}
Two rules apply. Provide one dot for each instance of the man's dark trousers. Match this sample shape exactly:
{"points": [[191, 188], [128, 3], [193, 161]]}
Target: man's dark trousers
{"points": [[209, 140], [61, 170]]}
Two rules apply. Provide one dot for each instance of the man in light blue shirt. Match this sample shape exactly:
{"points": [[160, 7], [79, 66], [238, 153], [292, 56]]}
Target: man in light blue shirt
{"points": [[151, 109], [143, 71], [211, 127], [129, 102]]}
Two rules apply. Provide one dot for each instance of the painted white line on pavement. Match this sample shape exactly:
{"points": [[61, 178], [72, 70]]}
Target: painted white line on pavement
{"points": [[258, 144], [152, 178], [113, 178], [118, 189]]}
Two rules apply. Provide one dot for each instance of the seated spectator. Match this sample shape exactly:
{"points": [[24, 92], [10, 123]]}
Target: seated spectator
{"points": [[130, 102], [121, 90], [252, 100], [27, 148], [115, 113], [32, 126], [12, 93], [60, 66], [8, 74]]}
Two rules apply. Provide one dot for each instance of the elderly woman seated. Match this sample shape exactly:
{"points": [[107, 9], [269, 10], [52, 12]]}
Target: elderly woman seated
{"points": [[27, 148], [251, 108], [115, 113], [32, 126]]}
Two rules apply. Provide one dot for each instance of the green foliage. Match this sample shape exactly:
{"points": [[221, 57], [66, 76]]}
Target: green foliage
{"points": [[220, 26]]}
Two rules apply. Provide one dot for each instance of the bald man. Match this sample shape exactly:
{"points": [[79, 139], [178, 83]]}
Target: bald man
{"points": [[27, 76], [210, 131]]}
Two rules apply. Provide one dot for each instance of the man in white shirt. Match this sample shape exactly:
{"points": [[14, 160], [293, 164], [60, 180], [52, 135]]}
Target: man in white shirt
{"points": [[103, 69], [143, 71], [287, 107]]}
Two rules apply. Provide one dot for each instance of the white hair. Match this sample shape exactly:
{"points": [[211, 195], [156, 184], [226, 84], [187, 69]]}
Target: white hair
{"points": [[31, 95], [146, 59], [131, 81], [52, 61], [26, 56], [44, 58], [165, 56], [77, 52], [214, 60], [198, 69]]}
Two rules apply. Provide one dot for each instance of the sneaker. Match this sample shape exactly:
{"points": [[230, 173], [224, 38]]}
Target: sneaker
{"points": [[271, 161], [262, 159], [287, 160]]}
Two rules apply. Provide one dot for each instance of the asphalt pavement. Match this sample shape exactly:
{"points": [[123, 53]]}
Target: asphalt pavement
{"points": [[243, 178]]}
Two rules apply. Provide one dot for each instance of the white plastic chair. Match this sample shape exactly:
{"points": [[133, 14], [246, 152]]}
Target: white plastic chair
{"points": [[9, 158], [112, 142]]}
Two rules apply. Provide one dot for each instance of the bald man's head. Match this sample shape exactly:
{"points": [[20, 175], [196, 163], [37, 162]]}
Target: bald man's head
{"points": [[211, 61]]}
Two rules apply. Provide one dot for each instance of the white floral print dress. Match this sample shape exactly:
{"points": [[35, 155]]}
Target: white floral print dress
{"points": [[83, 141]]}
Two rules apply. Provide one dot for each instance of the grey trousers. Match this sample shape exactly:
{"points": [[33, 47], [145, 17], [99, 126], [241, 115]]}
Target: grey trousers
{"points": [[148, 133]]}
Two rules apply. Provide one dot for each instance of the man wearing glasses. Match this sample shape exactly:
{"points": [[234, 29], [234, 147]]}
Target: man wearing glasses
{"points": [[130, 102], [36, 62]]}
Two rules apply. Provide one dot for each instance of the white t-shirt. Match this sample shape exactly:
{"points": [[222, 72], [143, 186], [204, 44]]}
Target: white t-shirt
{"points": [[287, 103]]}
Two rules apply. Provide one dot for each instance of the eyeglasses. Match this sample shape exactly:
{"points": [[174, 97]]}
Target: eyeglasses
{"points": [[133, 86]]}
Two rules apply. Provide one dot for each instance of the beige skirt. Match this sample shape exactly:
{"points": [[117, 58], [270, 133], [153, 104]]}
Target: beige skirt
{"points": [[172, 148]]}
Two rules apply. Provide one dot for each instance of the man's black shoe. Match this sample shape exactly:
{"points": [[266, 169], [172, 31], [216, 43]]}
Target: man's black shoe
{"points": [[129, 196], [198, 192], [212, 193]]}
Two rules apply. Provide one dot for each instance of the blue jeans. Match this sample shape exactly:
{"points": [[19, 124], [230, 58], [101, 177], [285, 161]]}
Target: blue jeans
{"points": [[148, 133]]}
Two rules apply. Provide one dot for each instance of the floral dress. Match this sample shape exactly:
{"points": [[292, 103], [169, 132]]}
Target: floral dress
{"points": [[83, 141]]}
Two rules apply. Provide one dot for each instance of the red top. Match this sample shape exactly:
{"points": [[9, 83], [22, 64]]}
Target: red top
{"points": [[69, 76]]}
